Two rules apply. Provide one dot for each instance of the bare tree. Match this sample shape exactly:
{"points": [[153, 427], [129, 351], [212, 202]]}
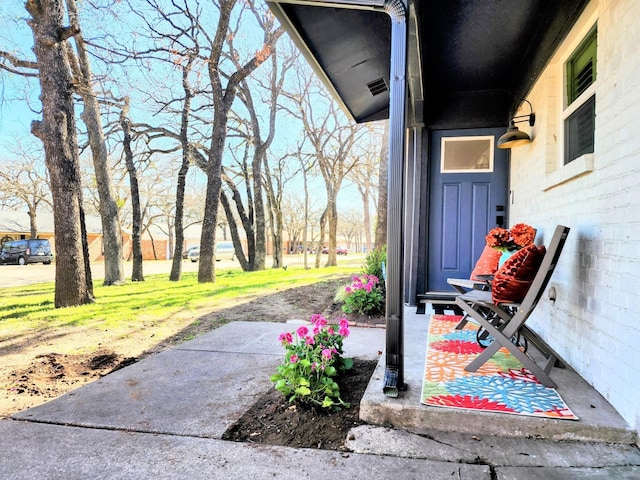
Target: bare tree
{"points": [[82, 84], [24, 182], [223, 97], [136, 233], [351, 227], [365, 177], [57, 131], [259, 181], [333, 142], [91, 116]]}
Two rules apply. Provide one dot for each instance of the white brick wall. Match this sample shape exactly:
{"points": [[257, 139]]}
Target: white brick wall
{"points": [[595, 322]]}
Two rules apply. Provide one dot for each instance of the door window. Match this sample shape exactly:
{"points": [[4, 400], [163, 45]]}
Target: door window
{"points": [[467, 154]]}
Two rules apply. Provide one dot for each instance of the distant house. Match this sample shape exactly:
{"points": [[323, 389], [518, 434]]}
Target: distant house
{"points": [[14, 225]]}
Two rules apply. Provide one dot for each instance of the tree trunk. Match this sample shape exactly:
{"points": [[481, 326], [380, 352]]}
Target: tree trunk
{"points": [[278, 228], [323, 224], [111, 234], [33, 222], [57, 131], [381, 225], [176, 266], [136, 273], [332, 219], [206, 271], [247, 262], [258, 201], [235, 236]]}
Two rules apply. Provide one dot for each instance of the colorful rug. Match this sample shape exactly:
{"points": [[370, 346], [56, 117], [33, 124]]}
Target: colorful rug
{"points": [[501, 385]]}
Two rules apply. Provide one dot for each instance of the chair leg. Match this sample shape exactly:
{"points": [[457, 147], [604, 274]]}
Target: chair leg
{"points": [[463, 321], [500, 340]]}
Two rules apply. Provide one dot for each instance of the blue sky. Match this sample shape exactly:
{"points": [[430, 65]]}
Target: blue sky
{"points": [[16, 117]]}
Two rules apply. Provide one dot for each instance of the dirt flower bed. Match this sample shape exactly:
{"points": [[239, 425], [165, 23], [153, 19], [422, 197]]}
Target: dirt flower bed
{"points": [[273, 420]]}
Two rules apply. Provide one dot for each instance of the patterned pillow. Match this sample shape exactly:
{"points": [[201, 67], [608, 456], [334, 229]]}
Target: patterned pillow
{"points": [[487, 264], [513, 279]]}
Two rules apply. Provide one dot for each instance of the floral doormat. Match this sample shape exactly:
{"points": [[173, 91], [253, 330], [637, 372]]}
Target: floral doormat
{"points": [[501, 385]]}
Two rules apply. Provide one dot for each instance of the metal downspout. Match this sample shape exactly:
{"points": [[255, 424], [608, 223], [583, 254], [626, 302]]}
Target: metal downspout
{"points": [[394, 370]]}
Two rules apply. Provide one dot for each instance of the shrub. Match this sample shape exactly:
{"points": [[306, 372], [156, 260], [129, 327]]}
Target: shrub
{"points": [[374, 263], [311, 361], [364, 296]]}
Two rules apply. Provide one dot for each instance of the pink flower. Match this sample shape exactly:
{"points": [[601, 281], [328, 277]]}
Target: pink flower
{"points": [[285, 338], [331, 331], [344, 331], [309, 340], [347, 289], [302, 331], [326, 353], [293, 358], [318, 320], [343, 322], [316, 330], [368, 287]]}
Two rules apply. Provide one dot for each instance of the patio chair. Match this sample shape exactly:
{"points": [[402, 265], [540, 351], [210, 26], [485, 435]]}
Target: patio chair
{"points": [[479, 279], [502, 323]]}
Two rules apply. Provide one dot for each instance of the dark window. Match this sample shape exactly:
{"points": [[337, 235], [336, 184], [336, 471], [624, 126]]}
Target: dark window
{"points": [[579, 130]]}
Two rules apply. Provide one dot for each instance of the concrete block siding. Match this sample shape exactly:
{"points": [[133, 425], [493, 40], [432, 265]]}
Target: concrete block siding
{"points": [[595, 321]]}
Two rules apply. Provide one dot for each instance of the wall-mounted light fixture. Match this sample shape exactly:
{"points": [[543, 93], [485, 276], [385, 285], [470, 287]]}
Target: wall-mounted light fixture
{"points": [[514, 137]]}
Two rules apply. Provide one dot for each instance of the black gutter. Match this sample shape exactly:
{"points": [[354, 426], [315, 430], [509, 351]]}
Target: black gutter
{"points": [[394, 370]]}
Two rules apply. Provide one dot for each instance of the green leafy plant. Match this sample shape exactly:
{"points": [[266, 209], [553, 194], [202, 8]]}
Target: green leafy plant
{"points": [[364, 296], [374, 263], [312, 360]]}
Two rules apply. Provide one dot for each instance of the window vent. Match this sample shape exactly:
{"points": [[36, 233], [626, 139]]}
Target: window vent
{"points": [[377, 86]]}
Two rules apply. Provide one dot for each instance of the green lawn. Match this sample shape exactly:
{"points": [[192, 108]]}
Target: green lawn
{"points": [[31, 309]]}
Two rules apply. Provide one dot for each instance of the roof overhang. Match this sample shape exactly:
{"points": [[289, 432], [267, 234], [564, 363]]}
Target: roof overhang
{"points": [[469, 61]]}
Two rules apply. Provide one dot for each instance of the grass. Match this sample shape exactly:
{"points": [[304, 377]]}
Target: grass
{"points": [[31, 309]]}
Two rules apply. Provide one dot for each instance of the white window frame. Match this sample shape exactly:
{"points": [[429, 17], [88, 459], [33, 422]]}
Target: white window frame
{"points": [[583, 164], [569, 110]]}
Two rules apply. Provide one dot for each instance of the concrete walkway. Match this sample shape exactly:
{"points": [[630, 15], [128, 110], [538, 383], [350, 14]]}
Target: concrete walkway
{"points": [[164, 417]]}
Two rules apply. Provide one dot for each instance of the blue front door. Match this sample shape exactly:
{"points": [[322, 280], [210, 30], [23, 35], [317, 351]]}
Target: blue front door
{"points": [[468, 191]]}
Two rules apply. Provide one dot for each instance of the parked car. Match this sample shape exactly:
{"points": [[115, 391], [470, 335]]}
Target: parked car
{"points": [[225, 250], [339, 250], [185, 254], [22, 252], [194, 254]]}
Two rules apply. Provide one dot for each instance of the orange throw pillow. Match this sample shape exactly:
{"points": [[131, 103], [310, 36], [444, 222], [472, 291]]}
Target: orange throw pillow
{"points": [[487, 264], [511, 283]]}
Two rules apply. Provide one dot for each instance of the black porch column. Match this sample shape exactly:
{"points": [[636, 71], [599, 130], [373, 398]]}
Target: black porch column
{"points": [[394, 372]]}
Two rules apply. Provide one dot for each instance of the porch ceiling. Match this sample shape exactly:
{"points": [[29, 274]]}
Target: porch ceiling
{"points": [[470, 61]]}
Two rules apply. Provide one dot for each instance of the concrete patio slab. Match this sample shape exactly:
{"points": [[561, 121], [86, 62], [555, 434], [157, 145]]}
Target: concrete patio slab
{"points": [[598, 421], [37, 451], [494, 451]]}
